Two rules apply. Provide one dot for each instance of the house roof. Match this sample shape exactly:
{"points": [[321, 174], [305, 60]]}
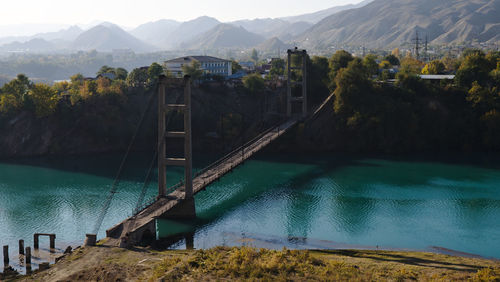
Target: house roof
{"points": [[201, 59], [437, 76]]}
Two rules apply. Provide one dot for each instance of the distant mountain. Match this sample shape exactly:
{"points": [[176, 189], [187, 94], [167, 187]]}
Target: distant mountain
{"points": [[107, 37], [264, 27], [224, 36], [36, 45], [27, 30], [318, 16], [189, 30], [68, 34], [274, 27], [390, 23], [156, 32], [64, 35], [273, 45]]}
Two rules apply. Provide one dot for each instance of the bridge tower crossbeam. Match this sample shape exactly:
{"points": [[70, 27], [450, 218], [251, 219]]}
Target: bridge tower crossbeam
{"points": [[303, 82]]}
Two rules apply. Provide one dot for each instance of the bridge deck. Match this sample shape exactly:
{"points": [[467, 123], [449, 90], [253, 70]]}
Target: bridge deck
{"points": [[201, 180]]}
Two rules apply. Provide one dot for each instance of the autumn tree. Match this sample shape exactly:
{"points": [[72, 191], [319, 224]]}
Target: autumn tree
{"points": [[385, 65], [44, 98], [434, 67], [474, 67]]}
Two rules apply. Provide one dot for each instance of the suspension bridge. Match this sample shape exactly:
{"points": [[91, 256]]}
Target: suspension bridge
{"points": [[177, 202]]}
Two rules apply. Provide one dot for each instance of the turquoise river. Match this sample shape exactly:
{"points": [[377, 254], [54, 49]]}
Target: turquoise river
{"points": [[449, 204]]}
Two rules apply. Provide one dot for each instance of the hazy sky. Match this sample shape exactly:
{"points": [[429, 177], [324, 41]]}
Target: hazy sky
{"points": [[134, 12]]}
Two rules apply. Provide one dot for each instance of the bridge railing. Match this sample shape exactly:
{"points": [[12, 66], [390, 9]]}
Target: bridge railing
{"points": [[213, 165], [235, 151], [218, 162]]}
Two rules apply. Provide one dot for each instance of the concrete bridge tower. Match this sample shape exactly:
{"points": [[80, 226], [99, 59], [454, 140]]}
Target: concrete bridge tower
{"points": [[187, 209], [302, 54]]}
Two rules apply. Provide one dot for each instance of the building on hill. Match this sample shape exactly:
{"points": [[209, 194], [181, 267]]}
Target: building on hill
{"points": [[108, 75], [209, 65]]}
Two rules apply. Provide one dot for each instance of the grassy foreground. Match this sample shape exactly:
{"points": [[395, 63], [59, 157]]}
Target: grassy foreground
{"points": [[245, 263]]}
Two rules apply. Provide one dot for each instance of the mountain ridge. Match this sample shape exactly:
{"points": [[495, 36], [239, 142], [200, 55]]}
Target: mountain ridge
{"points": [[391, 23]]}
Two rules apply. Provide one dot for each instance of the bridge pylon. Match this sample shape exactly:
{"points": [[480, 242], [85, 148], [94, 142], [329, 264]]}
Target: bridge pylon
{"points": [[302, 54], [163, 134]]}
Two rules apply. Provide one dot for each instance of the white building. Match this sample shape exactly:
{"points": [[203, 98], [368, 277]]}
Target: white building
{"points": [[209, 65]]}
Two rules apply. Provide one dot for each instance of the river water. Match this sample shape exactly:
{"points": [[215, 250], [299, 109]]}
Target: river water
{"points": [[315, 201]]}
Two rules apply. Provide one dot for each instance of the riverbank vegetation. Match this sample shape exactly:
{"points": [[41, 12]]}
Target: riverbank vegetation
{"points": [[377, 106], [245, 263], [371, 113]]}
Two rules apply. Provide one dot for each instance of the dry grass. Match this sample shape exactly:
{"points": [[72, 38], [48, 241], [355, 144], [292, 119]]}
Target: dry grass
{"points": [[249, 264]]}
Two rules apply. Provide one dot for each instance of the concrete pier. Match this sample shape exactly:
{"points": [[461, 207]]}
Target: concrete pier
{"points": [[6, 255], [90, 240], [28, 260], [36, 240], [21, 247]]}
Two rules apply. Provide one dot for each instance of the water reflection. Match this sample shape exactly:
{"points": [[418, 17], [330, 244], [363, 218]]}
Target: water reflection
{"points": [[362, 202], [273, 200]]}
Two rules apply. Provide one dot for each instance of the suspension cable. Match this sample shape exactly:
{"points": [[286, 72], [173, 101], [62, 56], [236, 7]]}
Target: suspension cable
{"points": [[116, 180]]}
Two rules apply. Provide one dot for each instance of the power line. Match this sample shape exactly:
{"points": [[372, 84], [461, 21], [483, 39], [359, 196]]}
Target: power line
{"points": [[417, 41]]}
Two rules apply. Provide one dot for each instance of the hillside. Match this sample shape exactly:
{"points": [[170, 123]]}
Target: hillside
{"points": [[155, 32], [224, 36], [273, 45], [386, 23], [36, 45], [106, 37], [319, 15], [188, 30]]}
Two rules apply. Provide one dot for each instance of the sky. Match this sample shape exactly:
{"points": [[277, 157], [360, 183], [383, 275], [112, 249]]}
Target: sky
{"points": [[131, 13]]}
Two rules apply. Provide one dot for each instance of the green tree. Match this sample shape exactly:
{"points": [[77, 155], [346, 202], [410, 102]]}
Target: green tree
{"points": [[434, 67], [235, 66], [138, 77], [474, 67], [255, 56], [194, 70], [254, 83], [121, 73], [338, 61], [154, 72], [277, 67], [392, 59], [105, 69], [317, 79], [18, 87], [44, 98], [352, 85], [370, 64]]}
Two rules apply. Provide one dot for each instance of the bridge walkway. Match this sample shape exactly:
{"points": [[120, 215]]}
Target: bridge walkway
{"points": [[132, 229]]}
